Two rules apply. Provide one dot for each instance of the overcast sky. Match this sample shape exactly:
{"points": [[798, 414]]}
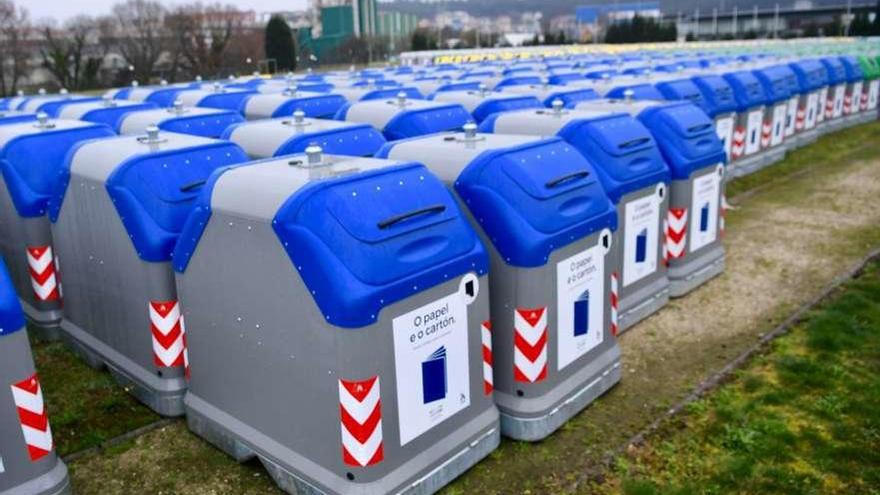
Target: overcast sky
{"points": [[65, 9]]}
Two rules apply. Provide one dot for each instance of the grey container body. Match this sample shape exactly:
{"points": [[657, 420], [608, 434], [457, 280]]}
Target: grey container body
{"points": [[724, 124], [643, 286], [746, 155], [694, 254], [266, 372], [26, 242], [809, 109], [24, 471], [107, 316]]}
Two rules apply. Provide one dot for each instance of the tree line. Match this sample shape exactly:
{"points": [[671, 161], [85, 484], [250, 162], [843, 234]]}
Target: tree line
{"points": [[139, 40]]}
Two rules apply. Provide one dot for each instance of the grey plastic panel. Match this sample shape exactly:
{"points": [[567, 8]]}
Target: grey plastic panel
{"points": [[137, 122]]}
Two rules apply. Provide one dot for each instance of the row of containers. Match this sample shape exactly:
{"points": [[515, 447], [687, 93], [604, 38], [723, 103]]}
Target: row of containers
{"points": [[367, 302]]}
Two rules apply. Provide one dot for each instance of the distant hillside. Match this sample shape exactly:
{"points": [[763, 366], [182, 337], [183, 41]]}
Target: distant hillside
{"points": [[551, 8]]}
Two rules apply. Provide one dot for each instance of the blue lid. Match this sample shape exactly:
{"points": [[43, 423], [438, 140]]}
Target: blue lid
{"points": [[834, 67], [388, 93], [491, 105], [154, 192], [747, 90], [318, 86], [53, 107], [565, 78], [165, 96], [717, 94], [622, 150], [811, 74], [570, 96], [458, 86], [123, 93], [686, 137], [414, 122], [517, 81], [351, 140], [228, 100], [375, 82], [319, 105], [14, 117], [11, 315], [682, 89], [32, 163], [110, 116], [774, 80], [205, 125], [600, 74], [642, 91], [852, 67], [535, 198]]}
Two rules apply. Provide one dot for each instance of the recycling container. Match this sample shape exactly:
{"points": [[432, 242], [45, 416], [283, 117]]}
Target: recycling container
{"points": [[720, 104], [51, 104], [402, 118], [163, 95], [548, 93], [774, 81], [215, 97], [196, 121], [834, 101], [284, 136], [31, 157], [635, 178], [115, 220], [482, 103], [540, 209], [852, 99], [790, 130], [695, 156], [265, 106], [871, 87], [28, 463], [813, 82], [745, 150], [432, 85], [353, 297], [682, 89], [107, 111]]}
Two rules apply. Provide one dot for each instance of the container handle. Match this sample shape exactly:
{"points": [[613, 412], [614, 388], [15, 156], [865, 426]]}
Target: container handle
{"points": [[192, 185], [429, 210], [580, 174], [632, 143], [699, 128]]}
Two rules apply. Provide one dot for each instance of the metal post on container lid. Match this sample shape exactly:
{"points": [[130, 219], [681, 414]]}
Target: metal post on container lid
{"points": [[299, 117], [558, 106], [470, 131], [314, 160], [218, 88], [20, 92], [152, 134], [177, 106], [545, 83], [198, 78], [62, 91], [43, 121], [135, 84], [256, 73], [291, 88], [483, 89], [163, 82], [401, 99], [41, 91], [628, 95], [108, 101]]}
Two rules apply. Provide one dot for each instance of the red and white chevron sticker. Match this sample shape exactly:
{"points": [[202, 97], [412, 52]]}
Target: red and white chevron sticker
{"points": [[44, 279], [169, 337], [676, 232], [486, 332], [738, 145], [829, 107], [766, 132], [360, 410], [28, 398], [722, 214], [614, 302], [847, 104], [800, 116], [530, 345]]}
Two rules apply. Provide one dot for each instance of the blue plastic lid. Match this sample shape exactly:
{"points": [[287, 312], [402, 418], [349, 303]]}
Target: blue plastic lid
{"points": [[686, 137], [491, 105], [774, 80], [392, 92], [228, 100], [622, 150], [811, 74], [165, 96], [51, 108], [319, 105], [419, 121], [32, 161], [11, 315], [211, 125], [570, 96], [853, 69], [110, 116], [717, 94], [515, 80], [154, 192], [835, 70], [643, 91], [682, 90], [747, 90], [349, 140], [565, 78], [14, 117]]}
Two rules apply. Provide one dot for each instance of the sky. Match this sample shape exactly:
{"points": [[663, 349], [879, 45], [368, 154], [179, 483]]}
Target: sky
{"points": [[62, 10]]}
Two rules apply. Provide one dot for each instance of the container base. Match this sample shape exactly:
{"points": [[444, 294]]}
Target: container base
{"points": [[162, 395], [697, 271], [774, 155], [747, 165], [55, 482], [806, 137], [642, 304], [46, 325], [419, 475], [557, 407]]}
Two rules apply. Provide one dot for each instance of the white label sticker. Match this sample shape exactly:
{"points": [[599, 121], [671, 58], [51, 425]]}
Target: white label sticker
{"points": [[642, 228], [754, 122], [791, 116], [724, 129], [704, 210], [431, 364], [778, 133], [873, 93], [813, 109], [823, 101], [2, 467], [857, 97], [839, 95], [580, 298]]}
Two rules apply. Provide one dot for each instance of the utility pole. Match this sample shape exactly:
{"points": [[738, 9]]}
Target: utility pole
{"points": [[735, 12], [848, 17], [715, 23], [697, 24], [776, 21]]}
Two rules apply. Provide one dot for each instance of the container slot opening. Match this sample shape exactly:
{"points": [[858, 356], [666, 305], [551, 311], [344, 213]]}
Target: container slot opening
{"points": [[580, 174], [429, 210]]}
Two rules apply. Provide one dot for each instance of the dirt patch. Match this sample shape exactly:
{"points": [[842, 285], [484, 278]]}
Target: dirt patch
{"points": [[784, 244]]}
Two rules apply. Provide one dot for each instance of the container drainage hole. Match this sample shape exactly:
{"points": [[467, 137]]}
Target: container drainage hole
{"points": [[349, 476], [520, 393]]}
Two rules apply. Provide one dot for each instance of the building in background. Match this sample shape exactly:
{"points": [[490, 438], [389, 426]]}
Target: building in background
{"points": [[593, 20]]}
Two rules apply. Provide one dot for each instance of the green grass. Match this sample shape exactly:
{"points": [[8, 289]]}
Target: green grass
{"points": [[86, 407], [804, 418]]}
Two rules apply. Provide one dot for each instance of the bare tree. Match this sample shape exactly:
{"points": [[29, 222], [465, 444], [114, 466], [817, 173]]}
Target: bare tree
{"points": [[203, 36], [14, 45], [139, 35], [73, 54]]}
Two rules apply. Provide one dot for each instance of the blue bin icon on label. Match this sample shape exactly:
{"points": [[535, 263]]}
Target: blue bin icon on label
{"points": [[434, 385], [642, 246], [582, 314], [704, 218]]}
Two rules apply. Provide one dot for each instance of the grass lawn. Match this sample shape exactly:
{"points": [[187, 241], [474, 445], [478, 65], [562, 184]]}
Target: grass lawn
{"points": [[803, 418]]}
